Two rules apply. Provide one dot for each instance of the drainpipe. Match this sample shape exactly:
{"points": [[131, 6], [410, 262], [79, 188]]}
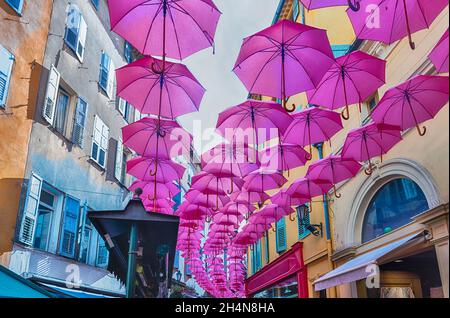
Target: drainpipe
{"points": [[326, 212], [131, 270]]}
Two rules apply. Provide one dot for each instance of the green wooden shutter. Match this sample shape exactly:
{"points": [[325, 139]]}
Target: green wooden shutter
{"points": [[303, 223], [281, 236]]}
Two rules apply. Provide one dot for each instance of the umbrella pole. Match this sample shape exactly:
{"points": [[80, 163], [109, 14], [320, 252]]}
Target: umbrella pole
{"points": [[346, 111], [283, 82], [309, 156], [369, 170], [419, 130], [408, 27]]}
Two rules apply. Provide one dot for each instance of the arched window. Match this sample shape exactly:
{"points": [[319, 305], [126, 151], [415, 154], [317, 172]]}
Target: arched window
{"points": [[392, 207]]}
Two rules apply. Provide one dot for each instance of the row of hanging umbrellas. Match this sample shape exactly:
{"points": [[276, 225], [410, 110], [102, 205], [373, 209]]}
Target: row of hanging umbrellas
{"points": [[228, 207]]}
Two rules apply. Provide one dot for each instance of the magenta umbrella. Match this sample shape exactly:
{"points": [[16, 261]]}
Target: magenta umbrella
{"points": [[413, 102], [228, 159], [164, 190], [306, 189], [439, 55], [312, 125], [170, 139], [206, 200], [205, 181], [388, 21], [144, 168], [283, 60], [370, 141], [334, 169], [264, 180], [249, 197], [319, 4], [171, 28], [351, 80], [255, 116], [165, 91], [284, 199], [283, 157]]}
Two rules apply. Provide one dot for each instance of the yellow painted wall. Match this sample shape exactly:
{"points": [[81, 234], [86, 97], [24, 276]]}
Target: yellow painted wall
{"points": [[25, 37]]}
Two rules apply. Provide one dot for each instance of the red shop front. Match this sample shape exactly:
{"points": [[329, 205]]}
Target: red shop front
{"points": [[286, 277]]}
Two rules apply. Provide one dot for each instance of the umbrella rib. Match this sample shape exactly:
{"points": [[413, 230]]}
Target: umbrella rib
{"points": [[148, 95], [175, 31], [129, 11], [151, 26], [272, 58], [393, 20]]}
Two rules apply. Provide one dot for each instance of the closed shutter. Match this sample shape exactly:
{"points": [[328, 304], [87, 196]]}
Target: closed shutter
{"points": [[111, 80], [79, 123], [51, 95], [281, 236], [119, 161], [303, 223], [81, 45], [70, 226], [104, 69], [28, 225], [6, 62], [17, 5]]}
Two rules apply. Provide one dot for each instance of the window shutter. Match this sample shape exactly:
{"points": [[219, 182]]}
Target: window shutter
{"points": [[70, 227], [100, 142], [102, 253], [79, 122], [111, 79], [281, 235], [104, 71], [28, 225], [303, 223], [51, 95], [119, 161], [17, 5], [6, 62], [137, 115], [73, 27], [81, 45], [122, 106]]}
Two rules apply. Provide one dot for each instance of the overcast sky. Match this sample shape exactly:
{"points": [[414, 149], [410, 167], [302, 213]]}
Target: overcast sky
{"points": [[240, 18]]}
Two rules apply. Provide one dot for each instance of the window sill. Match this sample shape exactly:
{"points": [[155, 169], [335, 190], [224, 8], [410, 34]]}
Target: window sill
{"points": [[96, 164]]}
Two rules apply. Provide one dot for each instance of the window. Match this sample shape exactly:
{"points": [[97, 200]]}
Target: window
{"points": [[340, 50], [45, 214], [51, 95], [86, 237], [101, 259], [303, 217], [30, 212], [6, 63], [61, 111], [76, 31], [119, 171], [137, 115], [17, 5], [96, 4], [368, 107], [100, 142], [79, 122], [266, 254], [69, 227], [281, 235], [392, 207], [107, 75], [128, 52], [124, 109]]}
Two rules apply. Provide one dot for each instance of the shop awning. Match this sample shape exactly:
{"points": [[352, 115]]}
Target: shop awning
{"points": [[359, 267]]}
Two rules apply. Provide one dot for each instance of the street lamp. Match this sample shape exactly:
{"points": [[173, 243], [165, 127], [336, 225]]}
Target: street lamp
{"points": [[315, 229], [178, 275]]}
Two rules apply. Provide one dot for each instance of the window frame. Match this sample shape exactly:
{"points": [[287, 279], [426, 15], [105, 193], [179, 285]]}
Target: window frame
{"points": [[7, 76], [62, 130], [80, 34], [104, 134], [76, 124], [53, 209]]}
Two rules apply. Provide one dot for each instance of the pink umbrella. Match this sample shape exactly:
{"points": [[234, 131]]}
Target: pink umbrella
{"points": [[275, 212], [370, 141], [168, 91], [247, 197], [266, 56], [205, 200], [351, 80], [312, 125], [256, 116], [167, 135], [228, 159], [283, 157], [319, 4], [388, 21], [145, 168], [334, 169], [264, 180], [205, 181], [227, 219], [413, 102], [172, 28], [284, 198], [439, 55], [305, 189], [164, 190]]}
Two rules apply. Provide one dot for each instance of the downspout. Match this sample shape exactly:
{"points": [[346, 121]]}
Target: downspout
{"points": [[326, 211]]}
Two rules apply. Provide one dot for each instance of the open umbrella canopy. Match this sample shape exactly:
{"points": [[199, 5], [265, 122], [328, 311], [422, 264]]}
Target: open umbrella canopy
{"points": [[176, 28], [152, 137], [160, 88], [155, 170], [439, 55], [312, 125], [164, 190], [249, 197], [285, 199], [264, 180], [413, 102], [306, 188], [283, 157], [370, 141], [388, 21], [258, 121], [207, 182], [266, 56], [351, 80]]}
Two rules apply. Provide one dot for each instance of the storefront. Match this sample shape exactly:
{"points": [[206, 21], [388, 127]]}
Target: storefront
{"points": [[286, 277]]}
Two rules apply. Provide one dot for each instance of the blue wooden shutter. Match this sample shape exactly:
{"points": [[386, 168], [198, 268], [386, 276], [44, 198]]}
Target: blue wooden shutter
{"points": [[69, 227], [73, 27], [340, 50], [6, 62], [17, 5], [295, 10], [303, 223], [79, 123], [104, 71], [258, 264], [281, 236]]}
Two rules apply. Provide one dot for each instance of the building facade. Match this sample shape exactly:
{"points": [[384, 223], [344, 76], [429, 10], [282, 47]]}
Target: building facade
{"points": [[413, 177]]}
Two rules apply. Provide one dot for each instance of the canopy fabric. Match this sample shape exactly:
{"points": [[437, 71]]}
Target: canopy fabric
{"points": [[357, 268]]}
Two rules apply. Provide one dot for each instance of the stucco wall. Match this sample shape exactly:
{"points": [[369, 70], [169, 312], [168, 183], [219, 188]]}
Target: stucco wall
{"points": [[25, 37]]}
